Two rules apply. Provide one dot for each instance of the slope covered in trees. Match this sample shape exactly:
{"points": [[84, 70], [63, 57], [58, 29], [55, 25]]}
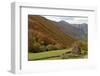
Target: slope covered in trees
{"points": [[44, 35]]}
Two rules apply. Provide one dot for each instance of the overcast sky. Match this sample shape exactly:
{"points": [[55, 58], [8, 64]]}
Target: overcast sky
{"points": [[72, 20]]}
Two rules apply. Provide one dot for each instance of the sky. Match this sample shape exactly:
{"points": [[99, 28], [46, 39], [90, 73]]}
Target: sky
{"points": [[69, 19]]}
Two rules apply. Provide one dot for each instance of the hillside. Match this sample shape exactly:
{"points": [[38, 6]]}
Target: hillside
{"points": [[46, 32], [77, 31]]}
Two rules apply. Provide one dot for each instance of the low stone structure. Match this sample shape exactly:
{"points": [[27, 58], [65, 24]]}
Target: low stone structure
{"points": [[76, 49]]}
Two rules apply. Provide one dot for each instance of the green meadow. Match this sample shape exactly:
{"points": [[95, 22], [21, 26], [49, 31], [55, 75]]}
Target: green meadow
{"points": [[55, 55]]}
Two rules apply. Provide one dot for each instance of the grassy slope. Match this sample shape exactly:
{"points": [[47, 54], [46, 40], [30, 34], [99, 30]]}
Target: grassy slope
{"points": [[33, 56]]}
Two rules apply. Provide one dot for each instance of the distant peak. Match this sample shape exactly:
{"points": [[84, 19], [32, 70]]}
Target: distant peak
{"points": [[62, 21]]}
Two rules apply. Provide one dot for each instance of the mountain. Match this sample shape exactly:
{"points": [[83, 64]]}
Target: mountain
{"points": [[46, 31], [76, 31], [83, 27]]}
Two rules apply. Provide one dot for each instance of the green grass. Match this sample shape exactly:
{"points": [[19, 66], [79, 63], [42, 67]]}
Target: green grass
{"points": [[55, 55], [36, 56]]}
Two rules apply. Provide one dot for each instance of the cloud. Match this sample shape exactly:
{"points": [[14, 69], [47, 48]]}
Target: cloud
{"points": [[72, 20]]}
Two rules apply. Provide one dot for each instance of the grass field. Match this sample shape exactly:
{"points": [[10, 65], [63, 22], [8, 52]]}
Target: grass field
{"points": [[47, 55], [55, 55]]}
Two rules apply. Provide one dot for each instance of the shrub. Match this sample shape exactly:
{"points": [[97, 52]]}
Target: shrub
{"points": [[51, 47], [58, 46], [42, 48], [35, 47]]}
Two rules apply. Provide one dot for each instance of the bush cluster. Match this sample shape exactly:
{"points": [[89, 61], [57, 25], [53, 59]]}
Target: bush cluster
{"points": [[35, 46]]}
